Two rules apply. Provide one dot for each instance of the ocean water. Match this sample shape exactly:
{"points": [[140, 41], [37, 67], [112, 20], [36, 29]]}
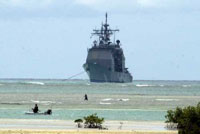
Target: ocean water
{"points": [[137, 101]]}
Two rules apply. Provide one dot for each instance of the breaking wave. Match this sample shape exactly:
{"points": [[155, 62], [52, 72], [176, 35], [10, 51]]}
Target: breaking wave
{"points": [[36, 83], [43, 102], [107, 99], [186, 85], [123, 99], [88, 84], [144, 85], [167, 99], [103, 103]]}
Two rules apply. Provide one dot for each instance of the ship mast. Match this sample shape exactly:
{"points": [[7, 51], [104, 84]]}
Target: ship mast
{"points": [[105, 32], [106, 29]]}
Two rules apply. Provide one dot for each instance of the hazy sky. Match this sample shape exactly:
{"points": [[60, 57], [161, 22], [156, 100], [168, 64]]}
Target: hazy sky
{"points": [[49, 38]]}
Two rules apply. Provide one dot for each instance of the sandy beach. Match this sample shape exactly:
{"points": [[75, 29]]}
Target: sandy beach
{"points": [[80, 132], [26, 126]]}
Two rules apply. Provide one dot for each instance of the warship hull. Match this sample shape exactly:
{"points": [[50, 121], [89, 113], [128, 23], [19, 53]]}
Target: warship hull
{"points": [[98, 73], [105, 60]]}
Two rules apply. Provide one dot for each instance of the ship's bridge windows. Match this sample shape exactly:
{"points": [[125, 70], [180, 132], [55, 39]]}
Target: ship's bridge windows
{"points": [[100, 54]]}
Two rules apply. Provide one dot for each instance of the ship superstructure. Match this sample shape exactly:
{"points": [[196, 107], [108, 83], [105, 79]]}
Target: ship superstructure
{"points": [[105, 61]]}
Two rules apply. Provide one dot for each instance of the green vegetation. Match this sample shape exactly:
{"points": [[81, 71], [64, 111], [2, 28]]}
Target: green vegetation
{"points": [[79, 121], [91, 121], [186, 120]]}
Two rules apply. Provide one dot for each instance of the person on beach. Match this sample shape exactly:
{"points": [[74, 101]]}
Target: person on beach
{"points": [[35, 109], [86, 97]]}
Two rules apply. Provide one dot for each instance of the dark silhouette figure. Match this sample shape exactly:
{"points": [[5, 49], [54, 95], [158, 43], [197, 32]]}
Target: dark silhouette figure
{"points": [[35, 109], [49, 112], [86, 97]]}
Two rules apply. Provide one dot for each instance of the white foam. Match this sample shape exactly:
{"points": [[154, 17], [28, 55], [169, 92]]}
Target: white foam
{"points": [[186, 85], [123, 99], [1, 84], [35, 101], [88, 84], [46, 102], [144, 85], [103, 103], [43, 102], [167, 99], [36, 83], [107, 99]]}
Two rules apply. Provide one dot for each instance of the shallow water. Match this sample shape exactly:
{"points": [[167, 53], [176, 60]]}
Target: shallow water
{"points": [[137, 101]]}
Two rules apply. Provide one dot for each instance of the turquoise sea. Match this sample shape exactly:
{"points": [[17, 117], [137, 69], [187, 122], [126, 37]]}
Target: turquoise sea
{"points": [[137, 101]]}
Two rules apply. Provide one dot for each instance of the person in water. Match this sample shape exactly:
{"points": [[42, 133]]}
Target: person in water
{"points": [[49, 112], [35, 109], [86, 97]]}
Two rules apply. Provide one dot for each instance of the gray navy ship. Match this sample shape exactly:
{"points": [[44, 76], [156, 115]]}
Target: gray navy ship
{"points": [[105, 60]]}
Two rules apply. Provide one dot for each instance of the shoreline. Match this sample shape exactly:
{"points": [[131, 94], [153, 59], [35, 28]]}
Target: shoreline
{"points": [[30, 126], [29, 131]]}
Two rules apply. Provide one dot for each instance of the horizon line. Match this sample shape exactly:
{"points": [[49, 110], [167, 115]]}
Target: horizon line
{"points": [[85, 79]]}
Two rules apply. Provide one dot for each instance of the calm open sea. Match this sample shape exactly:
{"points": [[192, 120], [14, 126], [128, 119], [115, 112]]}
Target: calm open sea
{"points": [[137, 101]]}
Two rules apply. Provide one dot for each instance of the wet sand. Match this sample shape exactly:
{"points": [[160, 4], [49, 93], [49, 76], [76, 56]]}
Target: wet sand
{"points": [[26, 126]]}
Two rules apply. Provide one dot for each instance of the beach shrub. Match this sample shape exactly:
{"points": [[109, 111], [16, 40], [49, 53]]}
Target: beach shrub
{"points": [[186, 120], [93, 121], [79, 121]]}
